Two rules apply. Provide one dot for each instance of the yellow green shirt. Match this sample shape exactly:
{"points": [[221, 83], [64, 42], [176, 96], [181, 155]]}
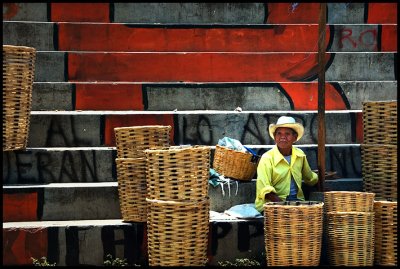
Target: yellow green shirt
{"points": [[274, 174]]}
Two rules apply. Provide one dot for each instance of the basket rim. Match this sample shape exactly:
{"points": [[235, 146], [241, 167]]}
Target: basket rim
{"points": [[18, 47], [142, 127], [175, 148]]}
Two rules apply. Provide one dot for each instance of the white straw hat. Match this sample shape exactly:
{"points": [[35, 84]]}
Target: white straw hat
{"points": [[287, 122]]}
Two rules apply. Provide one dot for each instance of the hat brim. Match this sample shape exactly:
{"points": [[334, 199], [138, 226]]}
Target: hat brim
{"points": [[295, 126]]}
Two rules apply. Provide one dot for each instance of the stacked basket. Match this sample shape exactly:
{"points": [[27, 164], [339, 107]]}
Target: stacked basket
{"points": [[293, 233], [178, 205], [18, 76], [379, 151], [131, 166], [350, 227], [385, 233]]}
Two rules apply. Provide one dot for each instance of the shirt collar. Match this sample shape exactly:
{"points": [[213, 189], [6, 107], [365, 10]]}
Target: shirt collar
{"points": [[277, 155]]}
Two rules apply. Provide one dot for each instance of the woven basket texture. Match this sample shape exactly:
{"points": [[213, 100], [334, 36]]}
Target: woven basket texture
{"points": [[177, 232], [131, 141], [235, 164], [293, 233], [178, 173], [131, 173], [18, 76], [350, 238], [380, 122], [385, 233], [349, 201], [379, 170]]}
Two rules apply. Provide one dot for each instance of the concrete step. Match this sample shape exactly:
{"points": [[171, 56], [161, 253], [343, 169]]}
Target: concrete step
{"points": [[85, 201], [87, 242], [206, 127], [48, 96], [97, 164], [56, 66], [68, 36], [200, 13]]}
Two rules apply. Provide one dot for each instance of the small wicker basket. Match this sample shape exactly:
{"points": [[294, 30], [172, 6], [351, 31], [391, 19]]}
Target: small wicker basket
{"points": [[178, 173], [349, 201], [177, 232], [380, 122], [132, 188], [379, 170], [235, 164], [131, 141], [350, 238], [18, 76], [293, 233], [385, 233]]}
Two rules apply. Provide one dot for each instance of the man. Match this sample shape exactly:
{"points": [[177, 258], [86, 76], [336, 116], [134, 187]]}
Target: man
{"points": [[282, 169]]}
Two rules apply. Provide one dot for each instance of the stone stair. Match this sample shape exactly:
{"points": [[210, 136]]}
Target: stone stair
{"points": [[188, 65]]}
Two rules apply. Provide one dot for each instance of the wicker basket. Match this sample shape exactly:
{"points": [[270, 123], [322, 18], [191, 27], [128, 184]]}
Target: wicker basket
{"points": [[235, 164], [18, 76], [177, 232], [349, 201], [380, 122], [293, 233], [350, 238], [131, 141], [132, 188], [385, 233], [379, 170], [178, 173]]}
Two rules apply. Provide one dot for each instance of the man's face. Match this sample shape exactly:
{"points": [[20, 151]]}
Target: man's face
{"points": [[285, 137]]}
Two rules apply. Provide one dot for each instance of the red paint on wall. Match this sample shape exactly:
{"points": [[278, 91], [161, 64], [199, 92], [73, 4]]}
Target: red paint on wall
{"points": [[113, 121], [10, 10], [20, 207], [109, 97], [359, 128], [19, 246], [381, 13], [389, 38], [119, 37], [80, 12], [305, 96], [293, 13], [192, 67]]}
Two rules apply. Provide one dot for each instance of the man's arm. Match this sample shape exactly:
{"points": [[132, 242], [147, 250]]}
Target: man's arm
{"points": [[272, 197]]}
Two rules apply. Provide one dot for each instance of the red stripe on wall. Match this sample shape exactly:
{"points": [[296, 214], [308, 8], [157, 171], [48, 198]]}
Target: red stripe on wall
{"points": [[389, 38], [113, 121], [359, 128], [80, 12], [109, 97], [293, 13], [382, 13], [192, 67], [19, 246], [118, 37], [20, 207], [305, 96]]}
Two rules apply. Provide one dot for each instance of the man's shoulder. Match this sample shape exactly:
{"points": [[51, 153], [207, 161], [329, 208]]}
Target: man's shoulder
{"points": [[298, 151]]}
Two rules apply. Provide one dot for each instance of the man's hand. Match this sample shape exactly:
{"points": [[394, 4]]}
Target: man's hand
{"points": [[272, 197]]}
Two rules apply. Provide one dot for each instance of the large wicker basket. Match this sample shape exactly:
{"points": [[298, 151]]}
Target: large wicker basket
{"points": [[18, 76], [293, 233], [385, 233], [349, 201], [131, 141], [379, 170], [178, 173], [380, 122], [132, 190], [235, 164], [177, 232], [350, 238]]}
